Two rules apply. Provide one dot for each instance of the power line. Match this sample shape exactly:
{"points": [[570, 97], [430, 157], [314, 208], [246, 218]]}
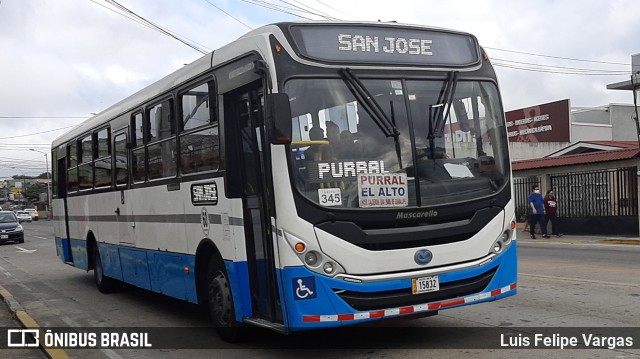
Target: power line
{"points": [[233, 17], [331, 7], [36, 133], [309, 10], [553, 71], [274, 7], [141, 20], [41, 117], [577, 69], [557, 57]]}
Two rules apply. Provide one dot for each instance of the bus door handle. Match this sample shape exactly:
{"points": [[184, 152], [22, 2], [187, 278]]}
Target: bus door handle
{"points": [[117, 211]]}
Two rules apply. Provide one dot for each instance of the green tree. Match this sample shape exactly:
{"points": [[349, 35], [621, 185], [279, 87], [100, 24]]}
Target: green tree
{"points": [[32, 192]]}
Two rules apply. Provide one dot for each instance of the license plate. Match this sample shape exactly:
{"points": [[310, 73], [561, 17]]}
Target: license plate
{"points": [[4, 236], [425, 284]]}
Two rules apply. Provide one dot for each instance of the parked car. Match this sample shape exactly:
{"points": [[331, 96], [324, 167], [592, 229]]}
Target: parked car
{"points": [[34, 213], [23, 216], [10, 228]]}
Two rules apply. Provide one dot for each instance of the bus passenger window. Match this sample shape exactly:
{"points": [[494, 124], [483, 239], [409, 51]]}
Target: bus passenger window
{"points": [[197, 108], [121, 159], [161, 121], [138, 165]]}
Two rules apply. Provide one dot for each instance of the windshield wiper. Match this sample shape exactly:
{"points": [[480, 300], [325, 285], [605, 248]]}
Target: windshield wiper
{"points": [[372, 107], [444, 99]]}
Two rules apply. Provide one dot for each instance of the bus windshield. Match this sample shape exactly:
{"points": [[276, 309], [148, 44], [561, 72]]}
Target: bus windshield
{"points": [[396, 142]]}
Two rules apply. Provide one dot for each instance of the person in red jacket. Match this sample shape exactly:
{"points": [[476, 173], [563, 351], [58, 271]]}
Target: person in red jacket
{"points": [[551, 211]]}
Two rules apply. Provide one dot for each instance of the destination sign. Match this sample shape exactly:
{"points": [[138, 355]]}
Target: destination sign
{"points": [[386, 44]]}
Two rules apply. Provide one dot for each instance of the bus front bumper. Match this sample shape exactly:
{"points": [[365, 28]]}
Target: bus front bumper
{"points": [[315, 301]]}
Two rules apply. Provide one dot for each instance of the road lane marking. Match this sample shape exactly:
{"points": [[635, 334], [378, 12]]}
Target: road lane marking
{"points": [[22, 250], [39, 237]]}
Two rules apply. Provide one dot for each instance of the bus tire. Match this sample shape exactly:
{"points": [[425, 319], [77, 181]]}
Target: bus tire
{"points": [[220, 302], [105, 284]]}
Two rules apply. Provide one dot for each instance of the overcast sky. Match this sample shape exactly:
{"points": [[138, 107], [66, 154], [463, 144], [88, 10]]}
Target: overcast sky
{"points": [[65, 59]]}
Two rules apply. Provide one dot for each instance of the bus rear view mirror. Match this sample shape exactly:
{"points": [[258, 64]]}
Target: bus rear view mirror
{"points": [[279, 118], [461, 115]]}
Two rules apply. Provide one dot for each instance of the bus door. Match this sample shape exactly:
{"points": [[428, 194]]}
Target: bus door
{"points": [[59, 210], [122, 206], [244, 119]]}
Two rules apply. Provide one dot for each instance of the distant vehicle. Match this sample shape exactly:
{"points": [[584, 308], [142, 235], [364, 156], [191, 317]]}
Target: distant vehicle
{"points": [[23, 216], [34, 213], [10, 228]]}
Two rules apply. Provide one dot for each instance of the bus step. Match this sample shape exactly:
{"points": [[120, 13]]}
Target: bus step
{"points": [[266, 324]]}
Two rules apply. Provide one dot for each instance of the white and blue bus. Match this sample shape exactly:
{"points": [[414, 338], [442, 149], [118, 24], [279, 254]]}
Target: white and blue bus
{"points": [[306, 175]]}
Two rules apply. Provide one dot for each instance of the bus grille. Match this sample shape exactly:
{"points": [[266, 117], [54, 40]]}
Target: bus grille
{"points": [[363, 301]]}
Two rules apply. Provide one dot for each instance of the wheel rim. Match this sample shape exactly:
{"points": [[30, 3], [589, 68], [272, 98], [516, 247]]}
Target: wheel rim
{"points": [[220, 299]]}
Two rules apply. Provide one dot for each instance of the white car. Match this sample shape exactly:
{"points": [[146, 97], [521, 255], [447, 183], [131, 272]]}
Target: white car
{"points": [[23, 216], [33, 212]]}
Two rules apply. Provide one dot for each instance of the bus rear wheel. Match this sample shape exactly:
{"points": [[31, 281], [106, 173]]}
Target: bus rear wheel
{"points": [[220, 302], [104, 283]]}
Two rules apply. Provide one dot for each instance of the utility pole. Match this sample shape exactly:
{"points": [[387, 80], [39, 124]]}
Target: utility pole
{"points": [[46, 159]]}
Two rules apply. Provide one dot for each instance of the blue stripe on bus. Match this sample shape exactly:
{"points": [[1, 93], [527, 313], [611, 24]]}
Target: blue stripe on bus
{"points": [[63, 249], [327, 302], [79, 253], [169, 273]]}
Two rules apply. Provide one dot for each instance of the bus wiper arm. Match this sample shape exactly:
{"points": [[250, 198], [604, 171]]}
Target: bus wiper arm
{"points": [[369, 103], [436, 112]]}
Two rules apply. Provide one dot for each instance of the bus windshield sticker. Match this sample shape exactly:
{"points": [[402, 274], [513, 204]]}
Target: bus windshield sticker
{"points": [[204, 193], [382, 190], [330, 197], [320, 171]]}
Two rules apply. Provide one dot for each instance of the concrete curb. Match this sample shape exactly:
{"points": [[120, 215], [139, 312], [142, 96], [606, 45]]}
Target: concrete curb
{"points": [[579, 240], [28, 322]]}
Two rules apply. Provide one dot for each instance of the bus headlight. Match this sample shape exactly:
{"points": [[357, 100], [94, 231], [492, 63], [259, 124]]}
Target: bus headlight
{"points": [[502, 242], [311, 258], [328, 267], [497, 247]]}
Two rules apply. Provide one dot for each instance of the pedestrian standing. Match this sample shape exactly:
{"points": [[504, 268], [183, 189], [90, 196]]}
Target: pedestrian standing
{"points": [[536, 212], [551, 213]]}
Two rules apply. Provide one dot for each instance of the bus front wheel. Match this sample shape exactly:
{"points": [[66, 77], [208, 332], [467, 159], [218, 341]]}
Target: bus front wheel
{"points": [[220, 302], [104, 283]]}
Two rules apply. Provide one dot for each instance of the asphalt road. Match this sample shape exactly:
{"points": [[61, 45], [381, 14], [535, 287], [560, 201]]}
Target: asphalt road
{"points": [[560, 285]]}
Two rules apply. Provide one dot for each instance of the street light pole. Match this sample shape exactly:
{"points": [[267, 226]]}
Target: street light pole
{"points": [[46, 159]]}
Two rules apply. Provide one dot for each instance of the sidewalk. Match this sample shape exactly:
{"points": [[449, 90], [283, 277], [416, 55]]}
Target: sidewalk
{"points": [[571, 238]]}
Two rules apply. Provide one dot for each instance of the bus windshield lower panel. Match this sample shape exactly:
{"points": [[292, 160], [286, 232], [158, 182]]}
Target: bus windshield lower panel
{"points": [[396, 143]]}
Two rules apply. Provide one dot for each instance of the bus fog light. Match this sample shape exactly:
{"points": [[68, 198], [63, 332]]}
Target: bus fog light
{"points": [[328, 267], [497, 247], [311, 258]]}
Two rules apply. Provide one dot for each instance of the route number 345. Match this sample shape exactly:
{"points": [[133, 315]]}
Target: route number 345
{"points": [[329, 197]]}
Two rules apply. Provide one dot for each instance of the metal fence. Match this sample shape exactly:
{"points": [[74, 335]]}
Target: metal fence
{"points": [[598, 202], [522, 188]]}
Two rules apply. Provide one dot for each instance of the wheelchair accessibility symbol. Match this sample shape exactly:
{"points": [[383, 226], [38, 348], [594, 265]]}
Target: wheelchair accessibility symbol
{"points": [[304, 288]]}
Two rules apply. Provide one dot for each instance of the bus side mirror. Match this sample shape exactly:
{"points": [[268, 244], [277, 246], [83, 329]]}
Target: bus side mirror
{"points": [[279, 118]]}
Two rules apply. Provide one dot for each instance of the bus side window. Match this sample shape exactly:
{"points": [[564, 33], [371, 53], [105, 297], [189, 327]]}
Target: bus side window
{"points": [[72, 165], [199, 144], [121, 162]]}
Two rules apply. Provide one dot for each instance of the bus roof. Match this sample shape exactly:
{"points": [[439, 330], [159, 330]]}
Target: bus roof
{"points": [[221, 55]]}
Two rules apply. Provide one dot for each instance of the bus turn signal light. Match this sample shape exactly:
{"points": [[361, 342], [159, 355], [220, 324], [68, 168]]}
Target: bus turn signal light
{"points": [[300, 247]]}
